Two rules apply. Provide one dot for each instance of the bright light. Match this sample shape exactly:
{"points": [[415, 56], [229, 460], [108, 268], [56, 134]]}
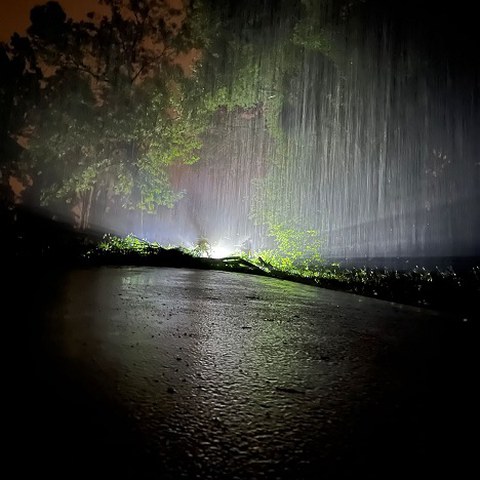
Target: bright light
{"points": [[221, 251]]}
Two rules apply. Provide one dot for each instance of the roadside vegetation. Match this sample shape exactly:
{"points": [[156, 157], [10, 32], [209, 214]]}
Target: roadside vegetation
{"points": [[32, 241], [438, 289]]}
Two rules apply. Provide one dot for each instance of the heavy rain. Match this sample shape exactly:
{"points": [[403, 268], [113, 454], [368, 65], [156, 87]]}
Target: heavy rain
{"points": [[241, 239], [357, 120]]}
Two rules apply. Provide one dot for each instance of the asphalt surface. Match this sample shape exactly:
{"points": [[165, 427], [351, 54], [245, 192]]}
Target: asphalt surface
{"points": [[172, 373]]}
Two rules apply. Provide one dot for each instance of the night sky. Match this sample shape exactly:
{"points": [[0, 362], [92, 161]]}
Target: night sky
{"points": [[16, 14], [448, 29]]}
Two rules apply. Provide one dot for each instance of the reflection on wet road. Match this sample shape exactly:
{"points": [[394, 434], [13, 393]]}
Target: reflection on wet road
{"points": [[166, 373]]}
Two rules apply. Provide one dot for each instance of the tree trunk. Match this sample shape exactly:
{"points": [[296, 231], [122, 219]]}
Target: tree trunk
{"points": [[86, 208]]}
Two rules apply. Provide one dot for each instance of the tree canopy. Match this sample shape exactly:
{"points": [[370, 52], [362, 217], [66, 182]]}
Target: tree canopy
{"points": [[105, 105]]}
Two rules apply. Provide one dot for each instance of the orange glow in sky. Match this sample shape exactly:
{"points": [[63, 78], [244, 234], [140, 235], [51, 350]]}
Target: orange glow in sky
{"points": [[15, 14]]}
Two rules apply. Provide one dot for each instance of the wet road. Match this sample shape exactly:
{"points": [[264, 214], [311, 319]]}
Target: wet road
{"points": [[168, 373]]}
